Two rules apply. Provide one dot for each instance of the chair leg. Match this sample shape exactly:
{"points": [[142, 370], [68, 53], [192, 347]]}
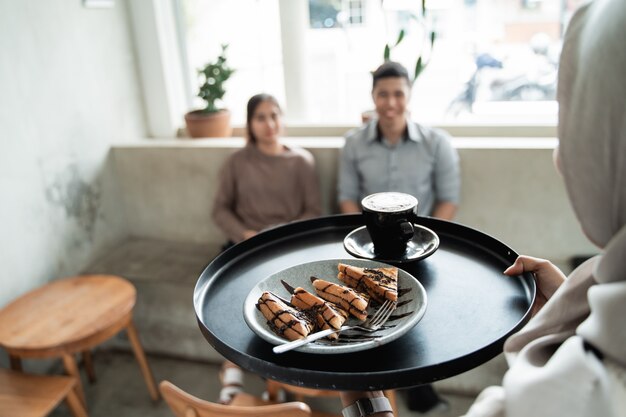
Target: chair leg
{"points": [[16, 363], [141, 359], [75, 405], [72, 369], [89, 369]]}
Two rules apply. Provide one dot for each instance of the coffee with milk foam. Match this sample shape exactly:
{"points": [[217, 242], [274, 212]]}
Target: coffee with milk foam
{"points": [[389, 202]]}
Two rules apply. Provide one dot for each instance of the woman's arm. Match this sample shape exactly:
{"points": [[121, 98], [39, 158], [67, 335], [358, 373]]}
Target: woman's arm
{"points": [[312, 202], [224, 206]]}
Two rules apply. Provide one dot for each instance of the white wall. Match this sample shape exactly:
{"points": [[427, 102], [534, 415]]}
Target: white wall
{"points": [[68, 89]]}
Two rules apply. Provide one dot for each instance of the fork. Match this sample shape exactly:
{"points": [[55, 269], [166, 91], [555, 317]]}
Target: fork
{"points": [[370, 325]]}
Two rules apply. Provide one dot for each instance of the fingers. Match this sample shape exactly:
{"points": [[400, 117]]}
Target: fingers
{"points": [[528, 264], [548, 277], [516, 269]]}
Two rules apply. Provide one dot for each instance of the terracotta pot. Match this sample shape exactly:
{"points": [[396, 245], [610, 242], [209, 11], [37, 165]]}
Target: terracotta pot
{"points": [[208, 125]]}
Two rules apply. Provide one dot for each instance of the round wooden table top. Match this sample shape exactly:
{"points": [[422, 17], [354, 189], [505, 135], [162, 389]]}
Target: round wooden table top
{"points": [[66, 315]]}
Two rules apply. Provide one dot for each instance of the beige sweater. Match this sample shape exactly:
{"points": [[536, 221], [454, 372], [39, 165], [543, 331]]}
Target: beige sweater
{"points": [[257, 191]]}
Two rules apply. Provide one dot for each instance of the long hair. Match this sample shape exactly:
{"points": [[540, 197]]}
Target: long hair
{"points": [[253, 103]]}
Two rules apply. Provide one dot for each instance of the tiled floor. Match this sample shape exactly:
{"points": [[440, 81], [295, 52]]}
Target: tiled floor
{"points": [[121, 392]]}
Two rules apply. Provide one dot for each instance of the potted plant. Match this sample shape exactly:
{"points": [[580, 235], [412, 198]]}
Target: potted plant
{"points": [[211, 121]]}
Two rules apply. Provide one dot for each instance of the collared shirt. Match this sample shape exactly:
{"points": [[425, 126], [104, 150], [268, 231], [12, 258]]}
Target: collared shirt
{"points": [[423, 164]]}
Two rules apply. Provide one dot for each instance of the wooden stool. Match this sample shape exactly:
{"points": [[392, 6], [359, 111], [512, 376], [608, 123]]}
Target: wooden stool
{"points": [[72, 315], [36, 395]]}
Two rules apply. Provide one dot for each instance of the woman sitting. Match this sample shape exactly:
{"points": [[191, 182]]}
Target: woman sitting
{"points": [[266, 183], [262, 185]]}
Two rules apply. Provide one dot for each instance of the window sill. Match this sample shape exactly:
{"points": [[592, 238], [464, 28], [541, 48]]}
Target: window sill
{"points": [[454, 129]]}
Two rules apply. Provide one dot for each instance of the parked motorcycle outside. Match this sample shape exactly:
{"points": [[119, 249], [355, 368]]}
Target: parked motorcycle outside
{"points": [[531, 78]]}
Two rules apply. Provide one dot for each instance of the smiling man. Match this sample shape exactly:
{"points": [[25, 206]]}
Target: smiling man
{"points": [[393, 153]]}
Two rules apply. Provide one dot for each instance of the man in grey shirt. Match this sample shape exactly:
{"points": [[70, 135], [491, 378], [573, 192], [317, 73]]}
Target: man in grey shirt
{"points": [[392, 153]]}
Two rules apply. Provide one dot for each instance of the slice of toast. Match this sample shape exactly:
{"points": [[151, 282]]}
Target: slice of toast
{"points": [[347, 298], [380, 283], [327, 315], [284, 320]]}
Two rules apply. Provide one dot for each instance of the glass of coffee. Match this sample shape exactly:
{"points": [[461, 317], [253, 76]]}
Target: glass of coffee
{"points": [[389, 219]]}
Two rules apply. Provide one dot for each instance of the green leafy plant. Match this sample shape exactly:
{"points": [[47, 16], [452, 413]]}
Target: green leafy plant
{"points": [[213, 76], [421, 62]]}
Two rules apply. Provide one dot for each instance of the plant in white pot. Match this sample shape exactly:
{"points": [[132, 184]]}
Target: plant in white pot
{"points": [[211, 121]]}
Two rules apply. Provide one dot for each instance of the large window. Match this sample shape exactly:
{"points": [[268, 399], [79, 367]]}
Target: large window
{"points": [[493, 61]]}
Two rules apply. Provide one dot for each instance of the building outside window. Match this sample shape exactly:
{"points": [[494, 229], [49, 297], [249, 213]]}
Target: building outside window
{"points": [[493, 61]]}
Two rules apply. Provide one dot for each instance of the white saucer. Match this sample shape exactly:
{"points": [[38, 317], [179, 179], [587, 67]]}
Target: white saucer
{"points": [[423, 244]]}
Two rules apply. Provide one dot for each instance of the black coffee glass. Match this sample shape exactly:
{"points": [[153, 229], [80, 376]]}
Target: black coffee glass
{"points": [[389, 219]]}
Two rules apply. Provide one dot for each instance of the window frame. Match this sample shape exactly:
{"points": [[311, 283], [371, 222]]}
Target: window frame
{"points": [[164, 68]]}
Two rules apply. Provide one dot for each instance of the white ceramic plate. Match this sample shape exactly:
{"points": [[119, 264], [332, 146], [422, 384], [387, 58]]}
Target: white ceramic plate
{"points": [[411, 306]]}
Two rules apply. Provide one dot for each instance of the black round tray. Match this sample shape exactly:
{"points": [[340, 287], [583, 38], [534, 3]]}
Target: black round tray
{"points": [[472, 307]]}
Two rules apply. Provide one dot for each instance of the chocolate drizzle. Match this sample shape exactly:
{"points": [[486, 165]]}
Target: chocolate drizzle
{"points": [[307, 313], [380, 283], [347, 298], [283, 319]]}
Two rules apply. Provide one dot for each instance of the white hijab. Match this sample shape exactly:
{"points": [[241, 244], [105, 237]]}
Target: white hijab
{"points": [[570, 360]]}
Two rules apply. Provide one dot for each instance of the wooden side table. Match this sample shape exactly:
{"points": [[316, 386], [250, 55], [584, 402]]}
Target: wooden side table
{"points": [[69, 316]]}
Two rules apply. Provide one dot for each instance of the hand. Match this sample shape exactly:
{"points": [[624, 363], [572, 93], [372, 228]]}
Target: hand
{"points": [[349, 207], [444, 211], [547, 276], [247, 234]]}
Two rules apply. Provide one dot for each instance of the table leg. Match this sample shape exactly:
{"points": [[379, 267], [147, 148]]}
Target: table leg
{"points": [[88, 362], [16, 363], [141, 359], [72, 369], [75, 405]]}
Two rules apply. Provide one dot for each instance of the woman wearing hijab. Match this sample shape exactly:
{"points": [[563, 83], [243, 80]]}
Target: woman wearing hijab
{"points": [[570, 359]]}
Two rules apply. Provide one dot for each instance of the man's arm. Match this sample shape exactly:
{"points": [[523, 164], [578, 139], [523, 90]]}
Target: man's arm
{"points": [[445, 210], [348, 186], [447, 181]]}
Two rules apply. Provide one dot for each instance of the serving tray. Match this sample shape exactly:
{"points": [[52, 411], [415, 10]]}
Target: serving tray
{"points": [[472, 307]]}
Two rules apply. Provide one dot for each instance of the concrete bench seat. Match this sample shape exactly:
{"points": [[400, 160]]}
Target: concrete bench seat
{"points": [[165, 274], [510, 190]]}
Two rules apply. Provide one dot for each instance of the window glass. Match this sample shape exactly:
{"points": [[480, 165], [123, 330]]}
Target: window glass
{"points": [[492, 61], [251, 28]]}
